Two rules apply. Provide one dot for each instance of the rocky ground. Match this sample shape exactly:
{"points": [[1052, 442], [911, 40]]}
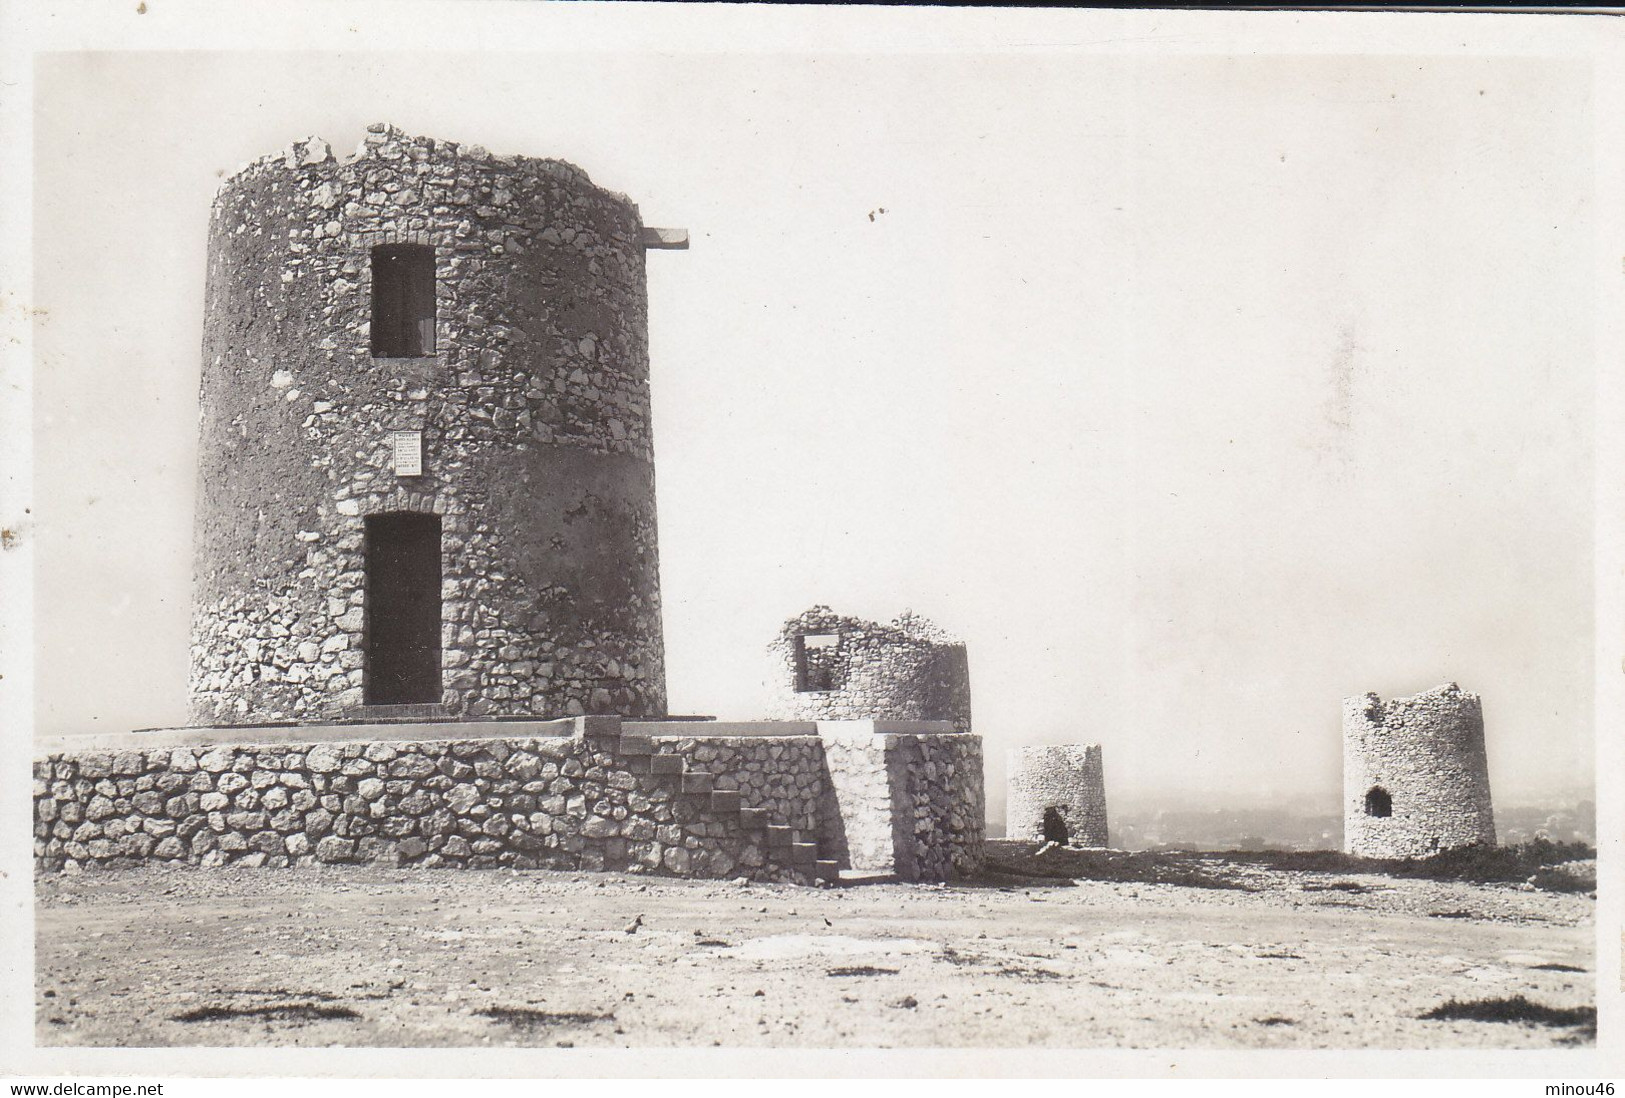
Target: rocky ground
{"points": [[1236, 954]]}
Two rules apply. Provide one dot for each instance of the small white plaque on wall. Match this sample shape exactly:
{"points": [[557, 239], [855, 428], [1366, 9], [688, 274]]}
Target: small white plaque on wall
{"points": [[407, 453]]}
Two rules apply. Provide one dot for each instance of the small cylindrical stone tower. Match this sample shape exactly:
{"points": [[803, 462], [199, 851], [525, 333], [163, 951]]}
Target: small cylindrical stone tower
{"points": [[1415, 776], [828, 667], [1056, 793], [425, 475]]}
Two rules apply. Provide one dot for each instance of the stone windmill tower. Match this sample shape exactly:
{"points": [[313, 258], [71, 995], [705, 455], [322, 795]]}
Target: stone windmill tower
{"points": [[1415, 775], [1056, 793], [829, 668], [425, 476]]}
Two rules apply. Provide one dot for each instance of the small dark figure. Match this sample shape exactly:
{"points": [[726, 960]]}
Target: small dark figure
{"points": [[1055, 830]]}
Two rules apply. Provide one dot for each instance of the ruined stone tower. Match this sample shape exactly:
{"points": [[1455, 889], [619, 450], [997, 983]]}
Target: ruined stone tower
{"points": [[830, 668], [425, 475], [1056, 793], [1415, 776]]}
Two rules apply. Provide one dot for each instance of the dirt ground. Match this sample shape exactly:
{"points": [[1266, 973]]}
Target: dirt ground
{"points": [[347, 956]]}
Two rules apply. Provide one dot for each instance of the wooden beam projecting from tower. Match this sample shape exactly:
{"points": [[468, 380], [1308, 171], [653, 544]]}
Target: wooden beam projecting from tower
{"points": [[665, 238]]}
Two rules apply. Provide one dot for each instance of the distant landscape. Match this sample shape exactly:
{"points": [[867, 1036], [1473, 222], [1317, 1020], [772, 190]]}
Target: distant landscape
{"points": [[1562, 818]]}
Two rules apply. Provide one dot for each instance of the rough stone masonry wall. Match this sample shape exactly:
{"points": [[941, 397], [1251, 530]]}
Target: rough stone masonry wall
{"points": [[911, 805], [939, 808], [569, 803], [781, 775], [535, 419], [907, 670], [588, 801], [1069, 778], [1427, 753]]}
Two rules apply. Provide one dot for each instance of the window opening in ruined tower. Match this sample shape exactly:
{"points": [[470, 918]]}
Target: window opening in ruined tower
{"points": [[402, 650], [1378, 802], [815, 661], [403, 310]]}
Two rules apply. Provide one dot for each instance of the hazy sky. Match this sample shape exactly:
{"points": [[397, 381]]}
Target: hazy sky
{"points": [[1194, 393]]}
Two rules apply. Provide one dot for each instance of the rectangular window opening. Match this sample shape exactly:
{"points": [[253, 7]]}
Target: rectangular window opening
{"points": [[403, 306], [815, 662]]}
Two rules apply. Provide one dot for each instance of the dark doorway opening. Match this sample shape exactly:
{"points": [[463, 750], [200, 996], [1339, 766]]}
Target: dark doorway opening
{"points": [[1378, 802], [1055, 829], [403, 609], [403, 308]]}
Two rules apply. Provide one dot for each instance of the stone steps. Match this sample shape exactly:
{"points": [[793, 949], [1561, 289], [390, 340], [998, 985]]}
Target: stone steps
{"points": [[787, 843]]}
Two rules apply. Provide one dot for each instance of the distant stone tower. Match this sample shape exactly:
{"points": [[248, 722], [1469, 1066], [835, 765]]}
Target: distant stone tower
{"points": [[832, 668], [1056, 794], [1415, 776], [425, 475]]}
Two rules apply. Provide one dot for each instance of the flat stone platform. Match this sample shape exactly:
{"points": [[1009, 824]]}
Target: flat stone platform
{"points": [[486, 728]]}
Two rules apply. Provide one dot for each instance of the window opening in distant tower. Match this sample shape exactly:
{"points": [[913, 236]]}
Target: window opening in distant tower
{"points": [[815, 662], [402, 661], [402, 301], [1378, 802]]}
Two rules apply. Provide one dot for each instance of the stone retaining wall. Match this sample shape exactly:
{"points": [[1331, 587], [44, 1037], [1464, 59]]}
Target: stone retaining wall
{"points": [[752, 806], [911, 805], [781, 775], [938, 805]]}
